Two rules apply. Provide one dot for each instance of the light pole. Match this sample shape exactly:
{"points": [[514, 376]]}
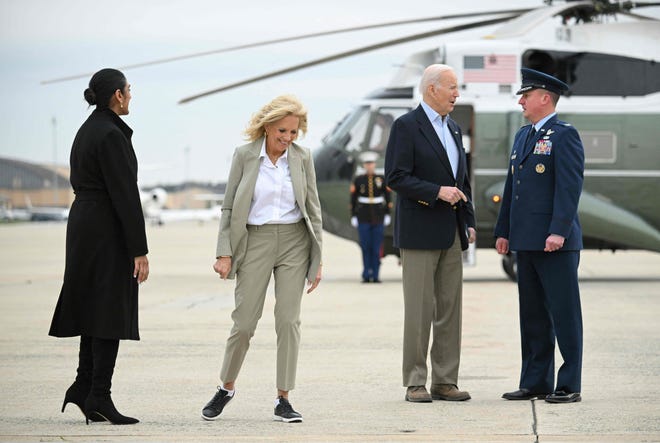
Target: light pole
{"points": [[55, 186], [186, 152]]}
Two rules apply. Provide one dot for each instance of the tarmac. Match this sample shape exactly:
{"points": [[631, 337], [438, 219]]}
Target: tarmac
{"points": [[349, 373]]}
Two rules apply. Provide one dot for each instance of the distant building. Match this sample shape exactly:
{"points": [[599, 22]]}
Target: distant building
{"points": [[23, 184]]}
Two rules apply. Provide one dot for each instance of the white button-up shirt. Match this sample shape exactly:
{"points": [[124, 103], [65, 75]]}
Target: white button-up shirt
{"points": [[273, 201], [444, 134]]}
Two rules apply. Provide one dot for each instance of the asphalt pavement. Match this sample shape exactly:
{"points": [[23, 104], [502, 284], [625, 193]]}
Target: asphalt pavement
{"points": [[349, 372]]}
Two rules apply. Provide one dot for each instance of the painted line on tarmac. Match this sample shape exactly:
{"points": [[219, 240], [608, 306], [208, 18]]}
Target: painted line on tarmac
{"points": [[534, 422]]}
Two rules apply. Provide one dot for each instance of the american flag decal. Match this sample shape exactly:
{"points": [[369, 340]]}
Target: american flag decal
{"points": [[489, 68]]}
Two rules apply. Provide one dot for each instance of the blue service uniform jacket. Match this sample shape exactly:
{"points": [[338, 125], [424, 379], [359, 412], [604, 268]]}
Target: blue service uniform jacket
{"points": [[416, 166], [542, 189]]}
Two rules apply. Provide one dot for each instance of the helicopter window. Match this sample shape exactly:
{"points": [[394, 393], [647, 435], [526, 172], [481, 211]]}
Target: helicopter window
{"points": [[349, 133], [599, 146], [357, 133], [595, 74], [381, 123]]}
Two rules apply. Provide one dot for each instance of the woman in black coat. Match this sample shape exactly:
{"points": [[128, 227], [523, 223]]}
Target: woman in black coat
{"points": [[106, 248]]}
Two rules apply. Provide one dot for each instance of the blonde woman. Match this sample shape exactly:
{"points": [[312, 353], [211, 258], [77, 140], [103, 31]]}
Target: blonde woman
{"points": [[270, 225]]}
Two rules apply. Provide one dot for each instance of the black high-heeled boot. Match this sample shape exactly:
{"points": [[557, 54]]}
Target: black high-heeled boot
{"points": [[98, 402], [79, 390], [104, 407], [77, 395]]}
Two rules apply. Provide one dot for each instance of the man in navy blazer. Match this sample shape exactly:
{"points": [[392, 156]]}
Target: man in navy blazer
{"points": [[538, 220], [426, 165]]}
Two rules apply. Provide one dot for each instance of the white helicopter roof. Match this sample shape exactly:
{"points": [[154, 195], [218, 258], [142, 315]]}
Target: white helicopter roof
{"points": [[530, 21]]}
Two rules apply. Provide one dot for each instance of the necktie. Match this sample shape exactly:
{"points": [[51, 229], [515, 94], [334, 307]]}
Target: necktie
{"points": [[528, 139], [530, 135]]}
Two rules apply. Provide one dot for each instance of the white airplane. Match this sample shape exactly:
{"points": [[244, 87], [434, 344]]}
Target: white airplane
{"points": [[9, 214], [154, 201]]}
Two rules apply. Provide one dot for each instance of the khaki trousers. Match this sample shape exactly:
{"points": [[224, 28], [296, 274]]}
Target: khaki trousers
{"points": [[283, 251], [432, 293]]}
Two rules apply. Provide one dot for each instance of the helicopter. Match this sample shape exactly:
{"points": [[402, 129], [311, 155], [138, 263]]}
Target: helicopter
{"points": [[614, 75], [605, 51]]}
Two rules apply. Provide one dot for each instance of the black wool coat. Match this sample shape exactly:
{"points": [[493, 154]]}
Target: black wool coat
{"points": [[105, 232]]}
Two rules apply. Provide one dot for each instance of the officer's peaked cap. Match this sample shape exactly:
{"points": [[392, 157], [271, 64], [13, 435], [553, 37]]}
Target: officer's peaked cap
{"points": [[532, 79]]}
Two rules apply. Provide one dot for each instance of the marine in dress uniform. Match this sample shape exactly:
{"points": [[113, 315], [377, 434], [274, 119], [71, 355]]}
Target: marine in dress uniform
{"points": [[370, 208], [538, 220]]}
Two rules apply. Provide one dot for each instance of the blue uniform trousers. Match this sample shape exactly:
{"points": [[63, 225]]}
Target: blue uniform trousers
{"points": [[550, 309], [371, 239]]}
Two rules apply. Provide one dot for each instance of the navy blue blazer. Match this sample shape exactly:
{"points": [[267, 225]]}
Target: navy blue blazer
{"points": [[542, 189], [416, 166]]}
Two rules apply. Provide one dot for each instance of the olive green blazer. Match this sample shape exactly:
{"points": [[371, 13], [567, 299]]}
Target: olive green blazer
{"points": [[232, 238]]}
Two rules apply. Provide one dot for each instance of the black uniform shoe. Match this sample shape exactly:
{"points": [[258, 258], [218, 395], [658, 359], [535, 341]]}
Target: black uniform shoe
{"points": [[564, 397], [214, 408], [523, 394], [284, 412]]}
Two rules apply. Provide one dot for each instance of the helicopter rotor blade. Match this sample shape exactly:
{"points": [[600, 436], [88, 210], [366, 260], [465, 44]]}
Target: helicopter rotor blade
{"points": [[621, 7], [350, 53], [635, 5], [293, 38], [639, 16]]}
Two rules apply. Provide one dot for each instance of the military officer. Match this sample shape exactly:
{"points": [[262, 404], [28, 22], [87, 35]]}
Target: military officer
{"points": [[538, 220], [370, 209]]}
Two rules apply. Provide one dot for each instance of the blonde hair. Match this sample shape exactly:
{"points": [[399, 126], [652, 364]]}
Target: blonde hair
{"points": [[276, 110]]}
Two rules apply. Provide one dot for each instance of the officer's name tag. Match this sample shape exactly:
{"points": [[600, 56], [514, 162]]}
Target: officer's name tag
{"points": [[543, 147]]}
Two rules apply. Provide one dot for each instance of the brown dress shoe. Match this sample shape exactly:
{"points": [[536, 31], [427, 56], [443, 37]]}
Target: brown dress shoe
{"points": [[448, 393], [418, 394]]}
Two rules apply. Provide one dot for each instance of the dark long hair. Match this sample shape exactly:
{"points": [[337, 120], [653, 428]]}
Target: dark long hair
{"points": [[103, 85]]}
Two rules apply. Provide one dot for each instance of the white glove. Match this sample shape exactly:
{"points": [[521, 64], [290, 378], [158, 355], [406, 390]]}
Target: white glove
{"points": [[387, 220], [354, 222]]}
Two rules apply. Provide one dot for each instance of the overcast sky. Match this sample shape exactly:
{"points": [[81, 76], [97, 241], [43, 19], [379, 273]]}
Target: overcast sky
{"points": [[45, 39]]}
